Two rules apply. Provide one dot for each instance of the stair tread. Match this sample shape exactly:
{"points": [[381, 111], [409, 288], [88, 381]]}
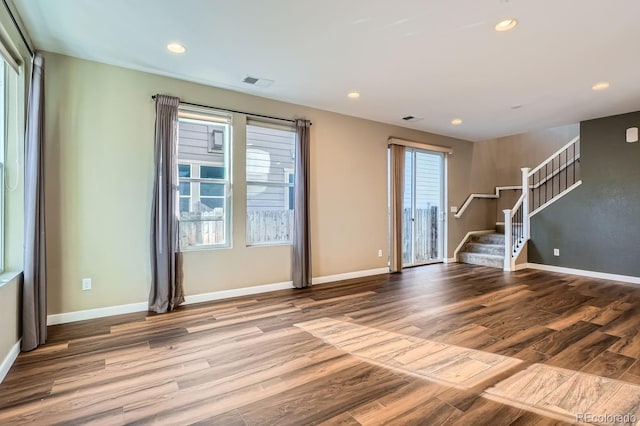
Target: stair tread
{"points": [[477, 243], [491, 256]]}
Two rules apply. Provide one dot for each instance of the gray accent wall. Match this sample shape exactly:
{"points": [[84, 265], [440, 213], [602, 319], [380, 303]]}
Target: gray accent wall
{"points": [[596, 226]]}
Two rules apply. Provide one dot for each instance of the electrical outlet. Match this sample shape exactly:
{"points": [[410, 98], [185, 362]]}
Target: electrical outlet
{"points": [[454, 209], [380, 253], [556, 252], [86, 283]]}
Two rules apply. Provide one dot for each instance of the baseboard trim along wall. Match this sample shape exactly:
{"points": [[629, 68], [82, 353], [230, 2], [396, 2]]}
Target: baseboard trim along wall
{"points": [[584, 273], [63, 318], [8, 360], [449, 260], [349, 275], [66, 317]]}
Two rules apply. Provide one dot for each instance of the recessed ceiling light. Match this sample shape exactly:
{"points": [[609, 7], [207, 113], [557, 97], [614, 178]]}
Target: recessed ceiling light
{"points": [[176, 47], [601, 85], [353, 95], [506, 25], [456, 121]]}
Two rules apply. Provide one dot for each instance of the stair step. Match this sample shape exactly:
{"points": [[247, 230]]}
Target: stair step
{"points": [[495, 249], [482, 259], [500, 228], [488, 239]]}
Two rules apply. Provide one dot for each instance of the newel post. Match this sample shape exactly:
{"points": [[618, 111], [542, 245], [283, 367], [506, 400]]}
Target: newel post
{"points": [[525, 203], [508, 242]]}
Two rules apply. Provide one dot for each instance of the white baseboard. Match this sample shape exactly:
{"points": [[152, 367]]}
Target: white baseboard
{"points": [[8, 360], [203, 297], [96, 313], [349, 275], [584, 273], [449, 260], [236, 292]]}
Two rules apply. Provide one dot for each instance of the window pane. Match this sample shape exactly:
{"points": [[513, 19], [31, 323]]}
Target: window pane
{"points": [[269, 154], [205, 232], [185, 188], [211, 172], [211, 189], [269, 207], [267, 221], [203, 153], [213, 203], [184, 204], [184, 170]]}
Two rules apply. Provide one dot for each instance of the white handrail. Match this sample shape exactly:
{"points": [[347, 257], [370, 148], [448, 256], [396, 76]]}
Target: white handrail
{"points": [[471, 197], [554, 155], [517, 205]]}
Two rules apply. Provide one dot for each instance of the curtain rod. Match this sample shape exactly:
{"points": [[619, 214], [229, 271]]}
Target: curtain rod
{"points": [[15, 23], [232, 110]]}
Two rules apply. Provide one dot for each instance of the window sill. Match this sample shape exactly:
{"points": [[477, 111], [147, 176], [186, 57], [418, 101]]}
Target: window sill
{"points": [[204, 248], [286, 243], [7, 277]]}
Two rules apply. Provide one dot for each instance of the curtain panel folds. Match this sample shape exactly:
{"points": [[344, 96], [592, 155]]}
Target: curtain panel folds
{"points": [[301, 259], [396, 194], [166, 292], [34, 287]]}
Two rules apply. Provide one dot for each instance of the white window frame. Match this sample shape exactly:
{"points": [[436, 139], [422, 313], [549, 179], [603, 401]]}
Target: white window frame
{"points": [[206, 115], [180, 196], [287, 174]]}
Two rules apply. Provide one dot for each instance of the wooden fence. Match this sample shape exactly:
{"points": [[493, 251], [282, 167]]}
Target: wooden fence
{"points": [[201, 229], [427, 244], [269, 226]]}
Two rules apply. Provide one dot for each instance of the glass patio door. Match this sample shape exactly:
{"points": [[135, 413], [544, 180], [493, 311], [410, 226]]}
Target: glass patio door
{"points": [[423, 203]]}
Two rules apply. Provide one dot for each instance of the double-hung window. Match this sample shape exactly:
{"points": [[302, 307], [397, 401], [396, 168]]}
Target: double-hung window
{"points": [[204, 191], [270, 178]]}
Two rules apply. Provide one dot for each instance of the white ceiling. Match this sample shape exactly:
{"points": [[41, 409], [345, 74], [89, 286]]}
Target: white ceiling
{"points": [[436, 59]]}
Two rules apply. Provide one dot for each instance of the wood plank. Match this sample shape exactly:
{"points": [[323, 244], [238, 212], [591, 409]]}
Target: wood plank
{"points": [[609, 364], [421, 347]]}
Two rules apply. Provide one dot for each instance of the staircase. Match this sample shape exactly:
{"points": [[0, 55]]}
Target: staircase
{"points": [[547, 183], [484, 249]]}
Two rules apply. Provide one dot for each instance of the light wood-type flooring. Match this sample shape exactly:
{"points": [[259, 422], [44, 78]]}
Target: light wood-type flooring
{"points": [[440, 344]]}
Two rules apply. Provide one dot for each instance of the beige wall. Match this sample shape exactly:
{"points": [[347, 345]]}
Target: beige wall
{"points": [[99, 162], [507, 155], [9, 315], [498, 162]]}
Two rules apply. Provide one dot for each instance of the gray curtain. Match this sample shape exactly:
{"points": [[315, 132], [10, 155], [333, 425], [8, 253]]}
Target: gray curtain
{"points": [[34, 291], [166, 261], [301, 262], [396, 193]]}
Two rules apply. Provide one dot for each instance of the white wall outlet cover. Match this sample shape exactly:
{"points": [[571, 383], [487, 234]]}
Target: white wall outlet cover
{"points": [[632, 134], [86, 283], [556, 252], [379, 253]]}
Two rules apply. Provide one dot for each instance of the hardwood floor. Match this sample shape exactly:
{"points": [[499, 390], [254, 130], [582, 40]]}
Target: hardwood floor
{"points": [[441, 344]]}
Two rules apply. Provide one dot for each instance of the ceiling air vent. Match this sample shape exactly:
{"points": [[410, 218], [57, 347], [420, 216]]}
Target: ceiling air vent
{"points": [[255, 81], [411, 118]]}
